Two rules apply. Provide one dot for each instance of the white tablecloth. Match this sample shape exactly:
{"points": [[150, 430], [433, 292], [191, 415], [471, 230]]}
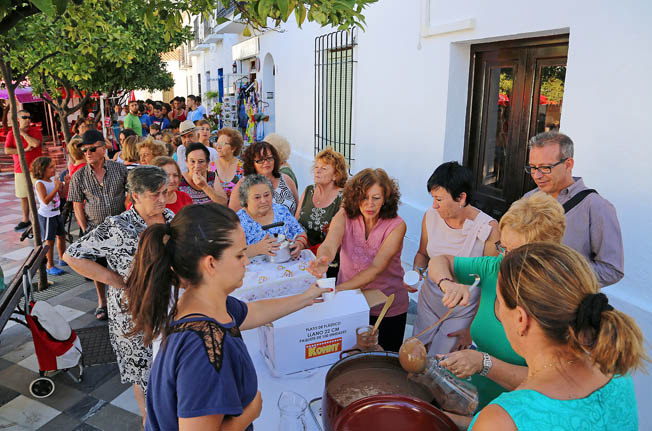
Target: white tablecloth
{"points": [[270, 280], [309, 385]]}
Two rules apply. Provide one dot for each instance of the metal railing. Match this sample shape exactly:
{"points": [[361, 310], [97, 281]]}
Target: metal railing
{"points": [[334, 71]]}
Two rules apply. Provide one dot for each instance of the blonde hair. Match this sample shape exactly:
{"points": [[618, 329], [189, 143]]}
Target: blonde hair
{"points": [[555, 285], [281, 144], [74, 151], [158, 148], [129, 151], [538, 218], [337, 161]]}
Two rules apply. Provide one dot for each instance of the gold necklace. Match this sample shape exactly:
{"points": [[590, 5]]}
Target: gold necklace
{"points": [[549, 365]]}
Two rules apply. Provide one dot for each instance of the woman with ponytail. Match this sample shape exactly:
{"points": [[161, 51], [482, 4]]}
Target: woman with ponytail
{"points": [[115, 242], [578, 348], [202, 377]]}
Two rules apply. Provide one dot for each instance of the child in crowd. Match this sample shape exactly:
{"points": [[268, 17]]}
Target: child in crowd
{"points": [[48, 186]]}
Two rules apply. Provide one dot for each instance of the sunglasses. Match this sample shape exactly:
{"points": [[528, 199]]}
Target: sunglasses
{"points": [[89, 149], [25, 117]]}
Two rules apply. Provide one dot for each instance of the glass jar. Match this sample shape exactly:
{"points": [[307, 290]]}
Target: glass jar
{"points": [[451, 393], [292, 408], [365, 341]]}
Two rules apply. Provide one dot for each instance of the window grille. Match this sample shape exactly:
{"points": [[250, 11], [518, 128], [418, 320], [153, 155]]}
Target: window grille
{"points": [[334, 71]]}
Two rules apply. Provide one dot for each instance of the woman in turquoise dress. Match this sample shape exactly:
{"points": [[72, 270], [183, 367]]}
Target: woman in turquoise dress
{"points": [[533, 219], [578, 348]]}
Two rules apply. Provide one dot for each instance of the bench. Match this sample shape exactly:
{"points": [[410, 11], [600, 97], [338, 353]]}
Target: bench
{"points": [[21, 287]]}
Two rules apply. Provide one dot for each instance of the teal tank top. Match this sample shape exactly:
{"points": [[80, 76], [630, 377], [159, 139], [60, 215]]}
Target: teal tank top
{"points": [[610, 408]]}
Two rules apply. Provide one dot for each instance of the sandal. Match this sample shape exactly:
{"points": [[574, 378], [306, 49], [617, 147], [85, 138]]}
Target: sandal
{"points": [[101, 314]]}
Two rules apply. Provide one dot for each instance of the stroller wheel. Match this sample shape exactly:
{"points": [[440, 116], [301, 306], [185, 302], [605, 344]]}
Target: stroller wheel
{"points": [[42, 387]]}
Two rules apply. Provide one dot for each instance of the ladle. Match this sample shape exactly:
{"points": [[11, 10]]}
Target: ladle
{"points": [[412, 354], [388, 303]]}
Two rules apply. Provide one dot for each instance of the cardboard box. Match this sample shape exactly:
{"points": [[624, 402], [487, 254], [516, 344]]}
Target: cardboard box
{"points": [[314, 336]]}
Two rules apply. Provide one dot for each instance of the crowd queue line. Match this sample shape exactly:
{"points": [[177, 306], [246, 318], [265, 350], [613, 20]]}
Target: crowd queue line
{"points": [[549, 349]]}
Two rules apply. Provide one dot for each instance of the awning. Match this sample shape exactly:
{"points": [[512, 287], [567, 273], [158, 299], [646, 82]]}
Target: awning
{"points": [[23, 95]]}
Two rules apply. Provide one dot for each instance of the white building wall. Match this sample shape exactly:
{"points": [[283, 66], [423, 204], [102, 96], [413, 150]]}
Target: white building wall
{"points": [[410, 97]]}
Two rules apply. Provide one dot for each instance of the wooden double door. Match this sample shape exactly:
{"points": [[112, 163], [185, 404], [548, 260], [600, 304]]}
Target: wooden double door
{"points": [[516, 91]]}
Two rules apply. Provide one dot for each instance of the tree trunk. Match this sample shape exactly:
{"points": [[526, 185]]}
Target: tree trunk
{"points": [[8, 77], [65, 127]]}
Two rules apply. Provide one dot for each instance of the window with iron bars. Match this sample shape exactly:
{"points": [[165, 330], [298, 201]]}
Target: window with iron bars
{"points": [[334, 72]]}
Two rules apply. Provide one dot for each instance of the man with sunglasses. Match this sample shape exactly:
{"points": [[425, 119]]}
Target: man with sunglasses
{"points": [[592, 226], [97, 191], [32, 140]]}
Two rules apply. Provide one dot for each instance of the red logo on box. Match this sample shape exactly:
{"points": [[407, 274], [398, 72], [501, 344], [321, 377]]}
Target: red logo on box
{"points": [[323, 348]]}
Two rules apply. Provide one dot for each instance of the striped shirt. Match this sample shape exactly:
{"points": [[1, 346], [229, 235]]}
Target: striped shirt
{"points": [[101, 200]]}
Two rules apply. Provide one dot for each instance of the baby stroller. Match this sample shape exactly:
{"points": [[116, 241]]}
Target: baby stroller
{"points": [[57, 347]]}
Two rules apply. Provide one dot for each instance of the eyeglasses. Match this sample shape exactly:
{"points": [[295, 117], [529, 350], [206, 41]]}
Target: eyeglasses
{"points": [[544, 170], [89, 149], [500, 248], [261, 161], [25, 117]]}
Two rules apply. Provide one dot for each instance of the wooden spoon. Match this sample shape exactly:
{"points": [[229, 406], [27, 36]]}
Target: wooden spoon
{"points": [[388, 303]]}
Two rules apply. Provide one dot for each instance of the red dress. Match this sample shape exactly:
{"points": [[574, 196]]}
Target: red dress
{"points": [[182, 200]]}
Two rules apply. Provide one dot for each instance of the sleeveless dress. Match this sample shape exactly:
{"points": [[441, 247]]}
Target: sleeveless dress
{"points": [[442, 239], [283, 195], [357, 253], [229, 185], [197, 196], [316, 220], [612, 407]]}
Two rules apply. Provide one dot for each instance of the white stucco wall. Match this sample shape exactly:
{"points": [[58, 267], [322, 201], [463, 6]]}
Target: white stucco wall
{"points": [[410, 96]]}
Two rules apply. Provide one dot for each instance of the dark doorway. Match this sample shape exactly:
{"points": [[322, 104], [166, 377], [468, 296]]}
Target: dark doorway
{"points": [[516, 90]]}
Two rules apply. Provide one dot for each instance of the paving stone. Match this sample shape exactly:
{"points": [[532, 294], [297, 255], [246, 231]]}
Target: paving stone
{"points": [[5, 364], [87, 320], [111, 389], [109, 416], [66, 393], [85, 408], [21, 352], [17, 378], [86, 427], [97, 375], [60, 423], [7, 395], [28, 413]]}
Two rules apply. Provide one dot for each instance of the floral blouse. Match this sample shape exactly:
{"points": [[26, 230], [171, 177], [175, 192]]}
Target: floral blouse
{"points": [[116, 239], [229, 185], [254, 232]]}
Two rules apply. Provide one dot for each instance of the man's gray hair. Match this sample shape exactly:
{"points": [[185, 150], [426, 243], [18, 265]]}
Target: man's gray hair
{"points": [[248, 182], [145, 178], [553, 137]]}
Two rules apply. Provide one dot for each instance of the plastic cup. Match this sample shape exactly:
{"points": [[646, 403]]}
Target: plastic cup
{"points": [[327, 283], [411, 278]]}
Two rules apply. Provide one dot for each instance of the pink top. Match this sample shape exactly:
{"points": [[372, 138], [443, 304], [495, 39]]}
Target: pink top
{"points": [[358, 252]]}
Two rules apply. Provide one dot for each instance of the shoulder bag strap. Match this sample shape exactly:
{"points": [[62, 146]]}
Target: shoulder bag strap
{"points": [[572, 202]]}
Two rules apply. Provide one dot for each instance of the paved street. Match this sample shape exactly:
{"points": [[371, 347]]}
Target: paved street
{"points": [[100, 402]]}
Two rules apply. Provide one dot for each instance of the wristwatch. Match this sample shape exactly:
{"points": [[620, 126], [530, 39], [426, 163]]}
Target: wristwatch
{"points": [[486, 364]]}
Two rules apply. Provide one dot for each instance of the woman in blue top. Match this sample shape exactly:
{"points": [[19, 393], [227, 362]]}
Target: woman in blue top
{"points": [[258, 209], [578, 349], [203, 377]]}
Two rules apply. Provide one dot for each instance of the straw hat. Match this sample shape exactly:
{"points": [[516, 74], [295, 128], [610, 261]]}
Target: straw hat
{"points": [[186, 127]]}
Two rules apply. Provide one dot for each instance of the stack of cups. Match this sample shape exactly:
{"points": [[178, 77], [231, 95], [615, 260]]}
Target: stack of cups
{"points": [[327, 283]]}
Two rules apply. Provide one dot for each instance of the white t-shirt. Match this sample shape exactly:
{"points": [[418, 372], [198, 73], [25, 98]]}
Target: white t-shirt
{"points": [[50, 209], [181, 157]]}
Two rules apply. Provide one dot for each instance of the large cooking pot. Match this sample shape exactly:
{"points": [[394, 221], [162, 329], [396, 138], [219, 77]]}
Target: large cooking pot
{"points": [[364, 375], [390, 413]]}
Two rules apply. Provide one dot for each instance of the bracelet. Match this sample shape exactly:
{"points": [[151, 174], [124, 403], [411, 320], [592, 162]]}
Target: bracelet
{"points": [[486, 364], [441, 281]]}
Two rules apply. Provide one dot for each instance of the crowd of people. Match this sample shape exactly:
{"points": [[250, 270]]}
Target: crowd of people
{"points": [[170, 220]]}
